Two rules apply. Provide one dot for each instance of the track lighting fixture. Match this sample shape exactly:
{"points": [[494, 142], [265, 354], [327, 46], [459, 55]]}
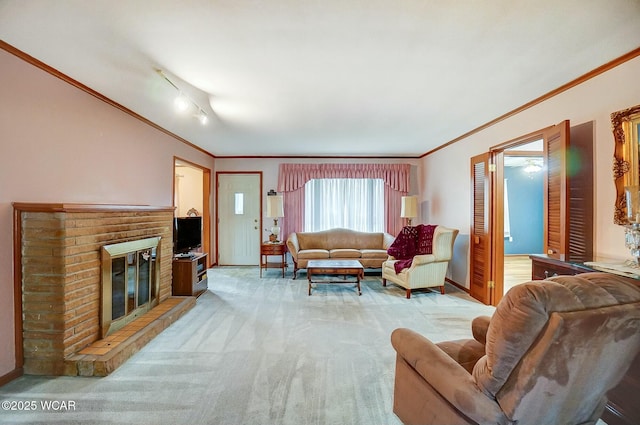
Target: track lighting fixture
{"points": [[184, 103], [181, 103], [202, 117]]}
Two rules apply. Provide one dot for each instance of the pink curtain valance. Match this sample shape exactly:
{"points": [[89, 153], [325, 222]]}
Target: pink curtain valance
{"points": [[294, 176]]}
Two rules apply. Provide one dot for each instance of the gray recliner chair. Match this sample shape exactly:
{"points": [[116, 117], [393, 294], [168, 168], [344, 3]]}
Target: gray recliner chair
{"points": [[548, 355]]}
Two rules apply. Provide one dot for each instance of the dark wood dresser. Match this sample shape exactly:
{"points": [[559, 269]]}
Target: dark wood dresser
{"points": [[623, 407], [543, 267]]}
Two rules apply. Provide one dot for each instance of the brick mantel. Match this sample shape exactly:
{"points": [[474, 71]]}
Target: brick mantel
{"points": [[57, 273], [71, 207]]}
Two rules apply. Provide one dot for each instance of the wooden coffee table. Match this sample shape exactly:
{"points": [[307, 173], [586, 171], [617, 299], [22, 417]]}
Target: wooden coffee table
{"points": [[342, 268]]}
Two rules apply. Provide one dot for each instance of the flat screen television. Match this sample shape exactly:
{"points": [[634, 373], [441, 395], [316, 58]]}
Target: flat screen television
{"points": [[187, 234]]}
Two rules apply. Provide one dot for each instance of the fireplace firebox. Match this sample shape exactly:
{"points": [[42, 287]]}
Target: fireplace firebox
{"points": [[130, 283]]}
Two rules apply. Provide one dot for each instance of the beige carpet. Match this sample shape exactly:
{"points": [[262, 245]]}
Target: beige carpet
{"points": [[259, 351]]}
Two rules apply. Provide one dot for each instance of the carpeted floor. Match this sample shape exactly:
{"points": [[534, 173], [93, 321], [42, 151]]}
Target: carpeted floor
{"points": [[258, 351]]}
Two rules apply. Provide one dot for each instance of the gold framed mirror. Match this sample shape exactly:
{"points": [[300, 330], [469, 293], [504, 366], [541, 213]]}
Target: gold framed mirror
{"points": [[625, 125]]}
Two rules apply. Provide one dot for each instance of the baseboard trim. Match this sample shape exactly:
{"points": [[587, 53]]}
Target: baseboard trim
{"points": [[457, 285], [14, 374]]}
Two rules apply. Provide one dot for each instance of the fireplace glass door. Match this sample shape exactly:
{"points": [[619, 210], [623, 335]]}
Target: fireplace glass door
{"points": [[129, 284]]}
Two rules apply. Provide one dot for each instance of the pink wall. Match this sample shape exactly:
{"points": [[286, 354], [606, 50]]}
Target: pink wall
{"points": [[60, 144], [593, 100]]}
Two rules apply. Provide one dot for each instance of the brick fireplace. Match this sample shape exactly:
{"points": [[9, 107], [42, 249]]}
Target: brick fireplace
{"points": [[58, 274]]}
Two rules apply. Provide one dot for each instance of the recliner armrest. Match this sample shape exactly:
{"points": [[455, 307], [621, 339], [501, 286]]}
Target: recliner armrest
{"points": [[479, 327], [446, 377]]}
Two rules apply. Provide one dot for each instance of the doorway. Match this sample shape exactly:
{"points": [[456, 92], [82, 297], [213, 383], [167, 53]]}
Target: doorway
{"points": [[239, 218], [523, 206], [488, 224], [568, 201], [192, 196]]}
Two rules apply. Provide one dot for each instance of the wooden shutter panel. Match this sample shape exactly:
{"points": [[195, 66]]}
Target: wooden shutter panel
{"points": [[556, 239], [480, 243], [580, 183]]}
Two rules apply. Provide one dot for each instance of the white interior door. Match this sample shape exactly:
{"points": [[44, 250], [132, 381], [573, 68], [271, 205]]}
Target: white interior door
{"points": [[239, 219]]}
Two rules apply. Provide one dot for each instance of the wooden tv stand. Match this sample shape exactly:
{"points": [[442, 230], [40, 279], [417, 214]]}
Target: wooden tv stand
{"points": [[190, 275]]}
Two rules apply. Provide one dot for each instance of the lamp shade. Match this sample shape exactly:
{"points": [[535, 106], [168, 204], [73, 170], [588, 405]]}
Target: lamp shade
{"points": [[409, 207], [275, 207]]}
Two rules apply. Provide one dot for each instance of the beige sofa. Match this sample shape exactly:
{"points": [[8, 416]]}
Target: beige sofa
{"points": [[369, 248]]}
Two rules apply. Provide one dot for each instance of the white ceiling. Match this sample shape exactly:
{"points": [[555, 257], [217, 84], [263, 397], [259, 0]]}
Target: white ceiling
{"points": [[325, 78]]}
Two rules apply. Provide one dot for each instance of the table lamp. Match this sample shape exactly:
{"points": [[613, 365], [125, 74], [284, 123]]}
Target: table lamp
{"points": [[409, 208], [275, 209]]}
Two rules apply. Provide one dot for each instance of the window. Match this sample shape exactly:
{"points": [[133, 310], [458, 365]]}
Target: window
{"points": [[356, 204], [238, 205]]}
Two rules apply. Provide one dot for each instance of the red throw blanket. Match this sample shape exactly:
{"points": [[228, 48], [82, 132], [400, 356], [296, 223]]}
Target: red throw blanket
{"points": [[410, 242]]}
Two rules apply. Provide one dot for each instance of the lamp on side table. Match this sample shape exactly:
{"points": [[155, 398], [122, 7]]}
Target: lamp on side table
{"points": [[275, 210]]}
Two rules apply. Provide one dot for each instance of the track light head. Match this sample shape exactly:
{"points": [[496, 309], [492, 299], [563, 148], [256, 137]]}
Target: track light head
{"points": [[181, 103], [202, 117]]}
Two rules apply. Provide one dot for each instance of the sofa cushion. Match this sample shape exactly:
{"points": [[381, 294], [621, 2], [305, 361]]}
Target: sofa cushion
{"points": [[313, 254], [345, 238], [388, 269], [312, 240], [344, 253], [374, 253]]}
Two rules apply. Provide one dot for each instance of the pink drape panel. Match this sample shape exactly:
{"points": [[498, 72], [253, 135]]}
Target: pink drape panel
{"points": [[293, 177], [393, 204], [294, 212]]}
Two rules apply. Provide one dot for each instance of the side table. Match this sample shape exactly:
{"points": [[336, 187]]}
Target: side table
{"points": [[273, 249]]}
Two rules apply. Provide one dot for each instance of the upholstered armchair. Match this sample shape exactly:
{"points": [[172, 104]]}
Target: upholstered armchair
{"points": [[426, 270], [548, 355]]}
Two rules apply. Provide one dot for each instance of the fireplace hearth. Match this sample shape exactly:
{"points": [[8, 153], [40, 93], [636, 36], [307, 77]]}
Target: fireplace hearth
{"points": [[58, 274]]}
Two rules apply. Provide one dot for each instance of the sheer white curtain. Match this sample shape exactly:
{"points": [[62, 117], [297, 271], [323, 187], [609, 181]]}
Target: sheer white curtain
{"points": [[356, 204]]}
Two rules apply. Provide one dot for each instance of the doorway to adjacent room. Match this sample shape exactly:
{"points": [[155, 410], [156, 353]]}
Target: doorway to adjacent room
{"points": [[192, 196], [523, 204]]}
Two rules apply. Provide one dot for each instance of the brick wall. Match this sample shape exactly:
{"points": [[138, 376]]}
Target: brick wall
{"points": [[60, 256]]}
